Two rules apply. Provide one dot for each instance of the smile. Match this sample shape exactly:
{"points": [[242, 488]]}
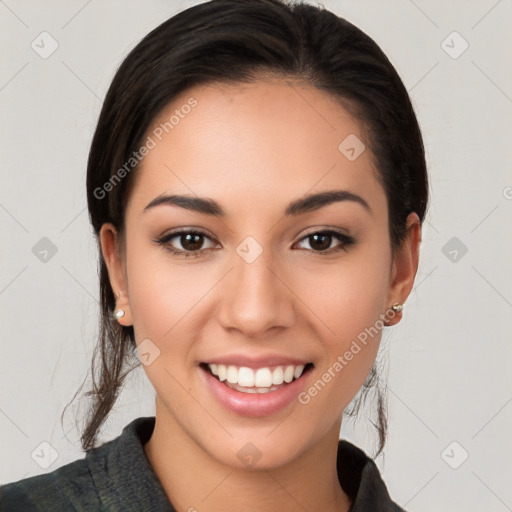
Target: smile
{"points": [[256, 380], [255, 391]]}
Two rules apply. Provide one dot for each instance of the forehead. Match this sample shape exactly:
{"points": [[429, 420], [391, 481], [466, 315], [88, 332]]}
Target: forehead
{"points": [[263, 140]]}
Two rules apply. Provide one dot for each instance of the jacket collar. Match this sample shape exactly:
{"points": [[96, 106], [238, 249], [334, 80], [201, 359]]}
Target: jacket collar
{"points": [[122, 462]]}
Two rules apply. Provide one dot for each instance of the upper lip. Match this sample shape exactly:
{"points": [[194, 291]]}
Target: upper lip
{"points": [[261, 361]]}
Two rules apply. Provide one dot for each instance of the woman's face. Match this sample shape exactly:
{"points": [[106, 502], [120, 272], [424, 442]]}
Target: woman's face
{"points": [[261, 293]]}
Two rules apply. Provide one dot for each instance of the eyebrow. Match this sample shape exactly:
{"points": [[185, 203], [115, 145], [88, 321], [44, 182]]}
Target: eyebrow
{"points": [[300, 206]]}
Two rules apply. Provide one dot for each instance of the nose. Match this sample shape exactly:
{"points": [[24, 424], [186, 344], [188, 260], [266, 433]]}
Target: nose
{"points": [[255, 297]]}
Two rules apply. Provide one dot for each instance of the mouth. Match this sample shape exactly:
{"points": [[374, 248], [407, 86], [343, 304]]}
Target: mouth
{"points": [[256, 380]]}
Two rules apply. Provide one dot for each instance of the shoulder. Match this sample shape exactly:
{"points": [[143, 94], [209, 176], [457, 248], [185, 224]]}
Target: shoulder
{"points": [[57, 491], [361, 480], [74, 486], [114, 476]]}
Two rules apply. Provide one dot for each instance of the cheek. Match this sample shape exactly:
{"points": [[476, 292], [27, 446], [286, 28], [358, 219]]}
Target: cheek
{"points": [[162, 299], [161, 293], [347, 296], [350, 345], [349, 300]]}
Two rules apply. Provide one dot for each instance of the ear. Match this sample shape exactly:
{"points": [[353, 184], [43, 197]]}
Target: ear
{"points": [[404, 266], [114, 259]]}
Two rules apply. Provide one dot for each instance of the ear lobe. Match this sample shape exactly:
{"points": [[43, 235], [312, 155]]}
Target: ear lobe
{"points": [[114, 261], [405, 266]]}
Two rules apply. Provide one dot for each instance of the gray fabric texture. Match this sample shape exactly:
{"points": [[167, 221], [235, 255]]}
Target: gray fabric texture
{"points": [[117, 476]]}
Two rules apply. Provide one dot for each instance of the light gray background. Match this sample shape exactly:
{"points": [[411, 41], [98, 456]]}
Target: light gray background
{"points": [[448, 360]]}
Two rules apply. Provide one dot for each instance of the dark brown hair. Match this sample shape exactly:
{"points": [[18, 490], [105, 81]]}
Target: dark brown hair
{"points": [[240, 41]]}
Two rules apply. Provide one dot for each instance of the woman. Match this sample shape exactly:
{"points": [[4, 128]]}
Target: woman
{"points": [[257, 184]]}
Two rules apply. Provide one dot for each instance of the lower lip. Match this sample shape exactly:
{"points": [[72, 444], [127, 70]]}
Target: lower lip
{"points": [[255, 404]]}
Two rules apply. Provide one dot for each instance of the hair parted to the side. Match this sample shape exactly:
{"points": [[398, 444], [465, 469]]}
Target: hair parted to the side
{"points": [[241, 41]]}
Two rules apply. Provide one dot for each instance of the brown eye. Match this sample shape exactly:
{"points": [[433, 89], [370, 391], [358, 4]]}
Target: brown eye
{"points": [[321, 241], [191, 241], [185, 242]]}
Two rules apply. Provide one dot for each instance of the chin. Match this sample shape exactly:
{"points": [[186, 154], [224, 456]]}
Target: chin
{"points": [[261, 448]]}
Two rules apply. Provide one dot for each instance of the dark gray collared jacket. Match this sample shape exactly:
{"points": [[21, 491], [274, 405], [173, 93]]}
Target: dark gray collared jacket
{"points": [[117, 477]]}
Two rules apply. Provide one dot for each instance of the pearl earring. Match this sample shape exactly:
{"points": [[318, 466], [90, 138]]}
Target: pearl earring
{"points": [[397, 307], [119, 314]]}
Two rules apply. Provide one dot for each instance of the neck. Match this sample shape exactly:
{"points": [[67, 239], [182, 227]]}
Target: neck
{"points": [[193, 480]]}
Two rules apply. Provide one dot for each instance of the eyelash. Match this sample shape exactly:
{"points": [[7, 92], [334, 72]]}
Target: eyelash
{"points": [[347, 242]]}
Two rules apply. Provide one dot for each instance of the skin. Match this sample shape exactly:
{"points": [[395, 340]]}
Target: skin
{"points": [[254, 148]]}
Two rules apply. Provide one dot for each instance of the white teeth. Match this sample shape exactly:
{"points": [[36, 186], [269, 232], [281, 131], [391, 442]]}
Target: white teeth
{"points": [[277, 376], [221, 372], [246, 377], [232, 374], [288, 374], [298, 371], [253, 389], [261, 380]]}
